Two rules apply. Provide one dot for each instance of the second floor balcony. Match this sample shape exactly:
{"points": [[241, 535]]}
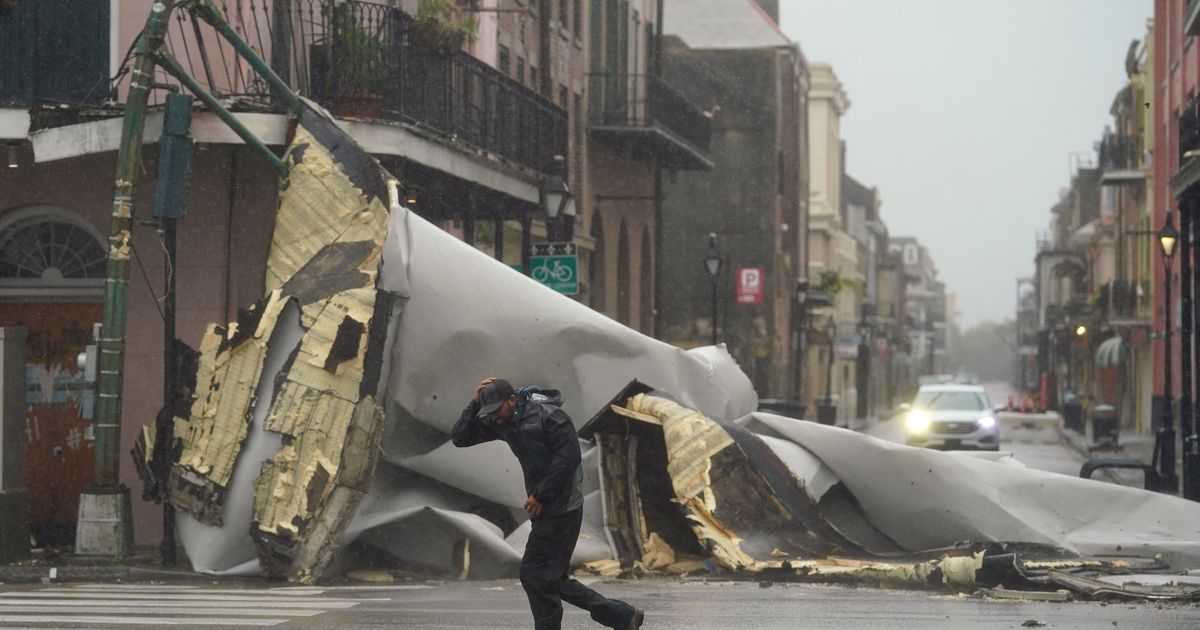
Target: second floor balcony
{"points": [[375, 61], [1121, 160], [1118, 301], [55, 52], [1189, 130], [360, 60], [642, 110]]}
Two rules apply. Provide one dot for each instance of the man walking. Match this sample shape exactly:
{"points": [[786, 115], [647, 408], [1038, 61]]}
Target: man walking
{"points": [[543, 438]]}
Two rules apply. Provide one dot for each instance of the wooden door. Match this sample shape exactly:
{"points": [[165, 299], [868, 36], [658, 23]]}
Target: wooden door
{"points": [[59, 456]]}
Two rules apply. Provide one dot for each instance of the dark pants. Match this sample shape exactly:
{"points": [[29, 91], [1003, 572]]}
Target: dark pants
{"points": [[544, 576]]}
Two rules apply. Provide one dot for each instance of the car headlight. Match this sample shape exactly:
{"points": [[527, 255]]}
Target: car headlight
{"points": [[917, 421], [987, 422]]}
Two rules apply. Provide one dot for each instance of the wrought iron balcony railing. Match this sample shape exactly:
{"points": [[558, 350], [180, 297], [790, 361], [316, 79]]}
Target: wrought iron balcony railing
{"points": [[1189, 128], [644, 103], [373, 61], [1118, 300], [1121, 153], [55, 52]]}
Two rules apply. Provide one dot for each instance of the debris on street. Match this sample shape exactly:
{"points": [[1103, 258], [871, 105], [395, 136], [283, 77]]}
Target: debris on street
{"points": [[321, 417]]}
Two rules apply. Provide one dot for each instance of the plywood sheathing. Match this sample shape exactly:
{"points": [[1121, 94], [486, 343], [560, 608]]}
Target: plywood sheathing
{"points": [[325, 253], [314, 551], [212, 434], [692, 441]]}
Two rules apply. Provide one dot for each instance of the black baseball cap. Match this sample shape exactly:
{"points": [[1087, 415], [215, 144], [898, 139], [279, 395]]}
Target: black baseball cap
{"points": [[493, 395]]}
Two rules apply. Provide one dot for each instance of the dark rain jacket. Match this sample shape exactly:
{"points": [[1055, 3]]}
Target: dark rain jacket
{"points": [[543, 438]]}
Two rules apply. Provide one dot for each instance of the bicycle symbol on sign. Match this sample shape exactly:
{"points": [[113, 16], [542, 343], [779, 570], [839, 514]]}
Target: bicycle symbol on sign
{"points": [[552, 270]]}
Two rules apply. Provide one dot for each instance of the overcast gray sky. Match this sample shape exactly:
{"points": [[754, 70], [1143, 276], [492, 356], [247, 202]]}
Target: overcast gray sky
{"points": [[964, 114]]}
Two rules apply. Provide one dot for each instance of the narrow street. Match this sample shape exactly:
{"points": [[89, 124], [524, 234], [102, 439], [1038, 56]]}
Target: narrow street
{"points": [[1035, 446]]}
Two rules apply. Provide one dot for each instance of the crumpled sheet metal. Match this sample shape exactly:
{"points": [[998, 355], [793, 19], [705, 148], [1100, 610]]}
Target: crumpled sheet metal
{"points": [[467, 317], [1150, 587], [926, 499], [347, 253], [470, 317], [934, 508]]}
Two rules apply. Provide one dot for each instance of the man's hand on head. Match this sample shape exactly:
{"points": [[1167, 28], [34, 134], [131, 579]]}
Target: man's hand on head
{"points": [[484, 383], [532, 506]]}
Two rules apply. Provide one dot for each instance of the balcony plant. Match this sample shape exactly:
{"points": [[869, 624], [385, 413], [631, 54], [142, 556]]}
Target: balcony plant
{"points": [[355, 58], [438, 27]]}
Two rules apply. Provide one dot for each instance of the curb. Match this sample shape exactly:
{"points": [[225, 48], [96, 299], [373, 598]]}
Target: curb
{"points": [[67, 573]]}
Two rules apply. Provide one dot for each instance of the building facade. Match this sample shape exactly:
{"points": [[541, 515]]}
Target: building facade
{"points": [[924, 312], [472, 141], [732, 61]]}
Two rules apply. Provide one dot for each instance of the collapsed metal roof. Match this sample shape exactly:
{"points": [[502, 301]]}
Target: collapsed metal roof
{"points": [[322, 416]]}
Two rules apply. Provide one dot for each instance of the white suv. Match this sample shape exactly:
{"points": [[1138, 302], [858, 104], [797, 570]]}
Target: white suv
{"points": [[951, 417]]}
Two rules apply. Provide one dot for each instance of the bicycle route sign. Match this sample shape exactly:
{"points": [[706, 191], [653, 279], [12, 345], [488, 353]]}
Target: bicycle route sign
{"points": [[555, 265]]}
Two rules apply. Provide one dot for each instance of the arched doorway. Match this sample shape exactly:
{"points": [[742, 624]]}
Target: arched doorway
{"points": [[52, 267]]}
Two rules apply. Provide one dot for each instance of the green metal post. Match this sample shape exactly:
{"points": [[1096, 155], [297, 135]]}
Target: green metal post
{"points": [[120, 243], [172, 66]]}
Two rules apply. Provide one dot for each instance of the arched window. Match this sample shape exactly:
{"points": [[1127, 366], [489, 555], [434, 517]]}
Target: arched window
{"points": [[596, 268], [646, 285], [623, 275], [48, 252]]}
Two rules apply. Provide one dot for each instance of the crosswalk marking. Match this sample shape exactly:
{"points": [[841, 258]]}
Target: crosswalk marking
{"points": [[141, 621], [108, 605], [27, 598], [157, 610], [63, 594], [298, 591]]}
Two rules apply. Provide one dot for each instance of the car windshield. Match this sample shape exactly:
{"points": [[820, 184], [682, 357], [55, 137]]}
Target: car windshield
{"points": [[939, 401]]}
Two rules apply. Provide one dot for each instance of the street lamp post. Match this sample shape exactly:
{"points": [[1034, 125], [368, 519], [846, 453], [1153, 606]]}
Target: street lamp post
{"points": [[801, 340], [863, 365], [827, 412], [712, 262], [1165, 447], [931, 331], [559, 204]]}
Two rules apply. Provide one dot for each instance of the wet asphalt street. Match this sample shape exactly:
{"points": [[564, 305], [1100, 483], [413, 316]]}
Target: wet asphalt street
{"points": [[500, 605], [697, 604], [718, 605]]}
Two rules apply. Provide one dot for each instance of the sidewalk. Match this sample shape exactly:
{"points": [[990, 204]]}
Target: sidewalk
{"points": [[50, 565]]}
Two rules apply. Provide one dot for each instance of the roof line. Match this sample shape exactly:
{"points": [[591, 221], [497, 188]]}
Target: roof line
{"points": [[770, 20]]}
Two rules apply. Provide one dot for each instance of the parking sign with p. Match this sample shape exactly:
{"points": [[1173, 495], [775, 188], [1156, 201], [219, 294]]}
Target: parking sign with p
{"points": [[750, 285]]}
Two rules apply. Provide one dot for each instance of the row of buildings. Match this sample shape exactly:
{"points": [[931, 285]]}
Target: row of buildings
{"points": [[1109, 316], [680, 129]]}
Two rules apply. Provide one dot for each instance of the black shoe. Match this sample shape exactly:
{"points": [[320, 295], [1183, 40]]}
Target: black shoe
{"points": [[635, 622]]}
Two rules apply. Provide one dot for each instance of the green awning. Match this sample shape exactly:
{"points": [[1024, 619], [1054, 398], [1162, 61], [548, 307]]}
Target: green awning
{"points": [[1111, 352]]}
